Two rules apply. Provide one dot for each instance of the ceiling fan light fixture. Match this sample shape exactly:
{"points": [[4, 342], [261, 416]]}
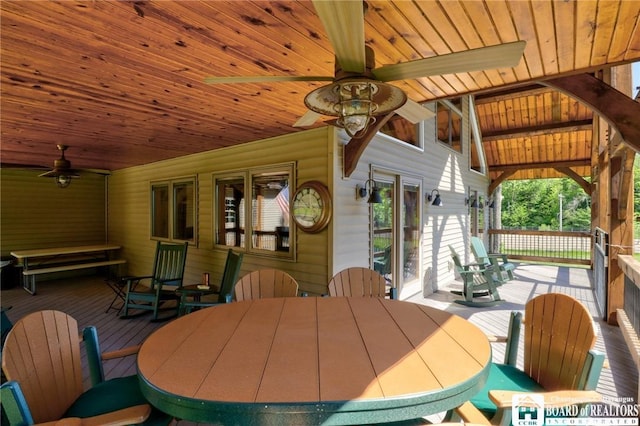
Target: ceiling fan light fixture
{"points": [[62, 171], [355, 101], [63, 181]]}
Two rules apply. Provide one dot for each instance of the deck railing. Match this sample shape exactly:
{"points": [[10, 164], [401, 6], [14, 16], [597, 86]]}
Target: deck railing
{"points": [[543, 246], [600, 269]]}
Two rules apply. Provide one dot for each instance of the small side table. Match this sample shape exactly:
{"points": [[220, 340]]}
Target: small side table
{"points": [[195, 292]]}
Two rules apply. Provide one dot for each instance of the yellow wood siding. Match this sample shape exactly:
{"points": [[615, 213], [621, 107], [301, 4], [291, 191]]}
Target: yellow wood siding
{"points": [[35, 213], [129, 207]]}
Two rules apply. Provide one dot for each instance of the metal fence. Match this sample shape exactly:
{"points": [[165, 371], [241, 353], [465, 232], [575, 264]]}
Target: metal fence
{"points": [[632, 303], [545, 246]]}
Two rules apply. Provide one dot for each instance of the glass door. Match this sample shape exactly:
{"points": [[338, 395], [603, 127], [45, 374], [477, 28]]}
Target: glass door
{"points": [[396, 230], [383, 228], [410, 230]]}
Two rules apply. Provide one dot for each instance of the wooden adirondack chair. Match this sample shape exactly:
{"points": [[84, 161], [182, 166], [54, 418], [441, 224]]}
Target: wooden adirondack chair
{"points": [[358, 282], [188, 301], [42, 361], [168, 272], [558, 358], [499, 261], [478, 280], [265, 283]]}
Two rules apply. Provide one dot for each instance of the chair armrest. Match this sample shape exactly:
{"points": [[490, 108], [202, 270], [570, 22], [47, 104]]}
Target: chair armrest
{"points": [[470, 414], [503, 399], [498, 256], [127, 416], [497, 339], [14, 404], [121, 353]]}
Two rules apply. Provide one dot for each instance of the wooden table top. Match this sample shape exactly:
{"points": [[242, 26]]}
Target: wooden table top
{"points": [[56, 251], [307, 360]]}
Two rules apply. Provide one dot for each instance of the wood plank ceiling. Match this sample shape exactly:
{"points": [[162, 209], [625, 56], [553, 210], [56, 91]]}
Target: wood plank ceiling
{"points": [[122, 83]]}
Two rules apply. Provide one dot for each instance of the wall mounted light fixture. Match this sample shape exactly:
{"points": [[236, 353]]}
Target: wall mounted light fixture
{"points": [[437, 201], [473, 200], [373, 192]]}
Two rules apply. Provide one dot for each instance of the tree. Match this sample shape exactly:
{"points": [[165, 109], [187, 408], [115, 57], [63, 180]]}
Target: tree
{"points": [[535, 204]]}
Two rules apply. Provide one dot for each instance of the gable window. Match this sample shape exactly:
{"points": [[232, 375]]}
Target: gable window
{"points": [[173, 210], [403, 130], [252, 210], [449, 123]]}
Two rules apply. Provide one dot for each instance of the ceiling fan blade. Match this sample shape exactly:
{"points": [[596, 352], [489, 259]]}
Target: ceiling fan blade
{"points": [[54, 173], [344, 23], [491, 57], [264, 79], [23, 166], [414, 112], [308, 119]]}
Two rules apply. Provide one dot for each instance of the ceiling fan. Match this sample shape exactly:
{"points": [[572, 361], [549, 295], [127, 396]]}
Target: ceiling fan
{"points": [[359, 92], [62, 171]]}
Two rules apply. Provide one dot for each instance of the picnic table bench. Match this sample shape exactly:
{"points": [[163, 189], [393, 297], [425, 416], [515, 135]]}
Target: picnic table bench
{"points": [[59, 259]]}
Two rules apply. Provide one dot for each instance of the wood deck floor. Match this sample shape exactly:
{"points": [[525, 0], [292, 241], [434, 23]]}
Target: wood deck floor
{"points": [[87, 298]]}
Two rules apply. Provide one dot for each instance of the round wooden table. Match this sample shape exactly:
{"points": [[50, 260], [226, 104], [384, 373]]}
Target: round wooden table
{"points": [[307, 360]]}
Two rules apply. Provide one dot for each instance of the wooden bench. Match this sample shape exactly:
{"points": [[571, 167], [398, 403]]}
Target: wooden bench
{"points": [[52, 260], [73, 267], [30, 274]]}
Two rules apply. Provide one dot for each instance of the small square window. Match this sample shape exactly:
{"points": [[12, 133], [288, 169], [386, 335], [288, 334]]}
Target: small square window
{"points": [[173, 218]]}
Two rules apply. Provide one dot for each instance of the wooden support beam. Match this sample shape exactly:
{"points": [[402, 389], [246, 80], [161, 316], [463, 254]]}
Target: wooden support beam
{"points": [[622, 181], [546, 165], [618, 109], [356, 146], [566, 127], [497, 181], [584, 184]]}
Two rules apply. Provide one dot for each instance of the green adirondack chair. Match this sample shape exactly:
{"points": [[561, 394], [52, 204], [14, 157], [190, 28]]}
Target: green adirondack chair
{"points": [[499, 261], [265, 283], [168, 272], [42, 362], [478, 280], [559, 359]]}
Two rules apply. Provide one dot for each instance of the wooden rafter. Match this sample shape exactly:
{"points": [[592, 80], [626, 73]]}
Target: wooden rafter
{"points": [[570, 126], [545, 165], [618, 109]]}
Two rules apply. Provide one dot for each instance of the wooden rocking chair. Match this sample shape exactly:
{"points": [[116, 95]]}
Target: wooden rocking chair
{"points": [[478, 280], [190, 300], [168, 271]]}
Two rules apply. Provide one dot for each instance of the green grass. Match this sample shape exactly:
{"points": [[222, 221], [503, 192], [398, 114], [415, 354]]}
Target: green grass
{"points": [[564, 254]]}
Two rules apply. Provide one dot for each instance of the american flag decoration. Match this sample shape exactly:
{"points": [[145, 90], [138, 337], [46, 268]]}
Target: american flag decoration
{"points": [[283, 201]]}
